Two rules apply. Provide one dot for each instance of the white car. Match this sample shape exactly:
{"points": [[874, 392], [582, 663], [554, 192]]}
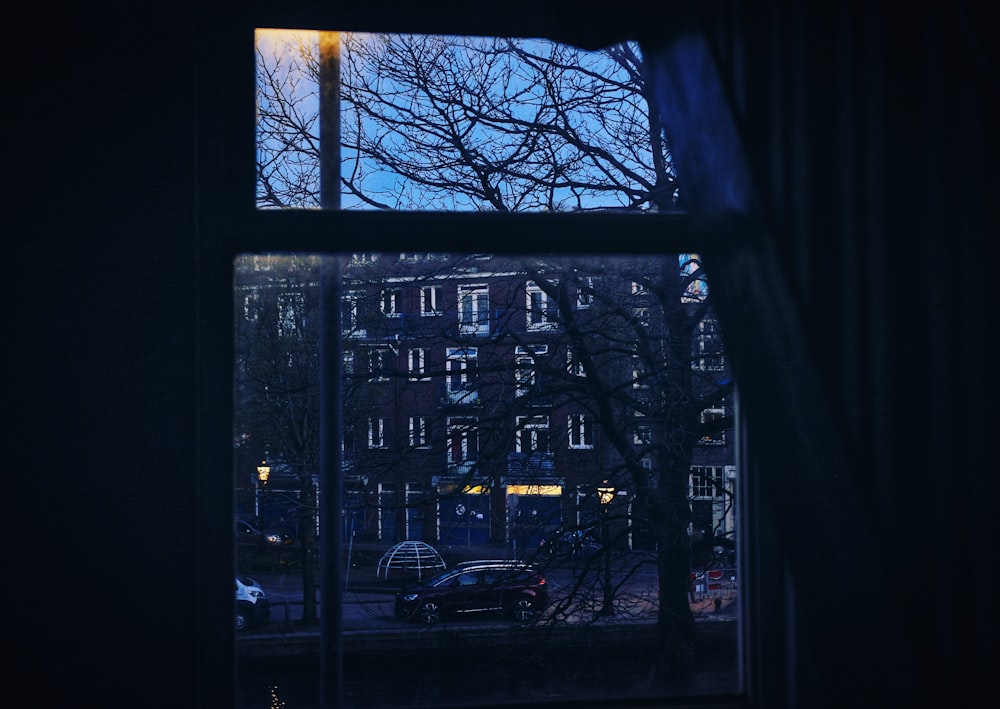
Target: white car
{"points": [[252, 605]]}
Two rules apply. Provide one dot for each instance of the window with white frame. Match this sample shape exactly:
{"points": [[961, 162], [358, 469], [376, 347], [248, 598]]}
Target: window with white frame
{"points": [[349, 314], [463, 442], [390, 301], [707, 481], [526, 368], [573, 364], [380, 363], [419, 426], [541, 309], [431, 299], [580, 428], [532, 434], [642, 435], [473, 310], [713, 438], [377, 432], [461, 374], [416, 359], [709, 354]]}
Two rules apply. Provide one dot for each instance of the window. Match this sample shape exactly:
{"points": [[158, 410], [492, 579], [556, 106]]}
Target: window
{"points": [[706, 481], [532, 434], [473, 310], [380, 364], [418, 431], [540, 309], [585, 292], [349, 315], [464, 300], [581, 431], [390, 301], [463, 443], [713, 437], [417, 359], [526, 368], [430, 300], [377, 433], [709, 354], [461, 374], [642, 435], [573, 365]]}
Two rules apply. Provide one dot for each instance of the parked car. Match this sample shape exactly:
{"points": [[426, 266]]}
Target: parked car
{"points": [[506, 588], [252, 604]]}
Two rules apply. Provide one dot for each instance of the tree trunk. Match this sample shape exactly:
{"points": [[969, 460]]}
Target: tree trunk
{"points": [[307, 542], [670, 514]]}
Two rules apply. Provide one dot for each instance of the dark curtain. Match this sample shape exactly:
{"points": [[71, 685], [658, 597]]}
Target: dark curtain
{"points": [[839, 157]]}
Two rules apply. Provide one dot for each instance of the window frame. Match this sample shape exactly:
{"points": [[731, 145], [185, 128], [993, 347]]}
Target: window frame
{"points": [[230, 224]]}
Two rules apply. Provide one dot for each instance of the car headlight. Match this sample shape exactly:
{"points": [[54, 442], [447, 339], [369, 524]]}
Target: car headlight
{"points": [[409, 597]]}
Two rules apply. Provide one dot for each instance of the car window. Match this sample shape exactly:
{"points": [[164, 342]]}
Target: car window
{"points": [[468, 579]]}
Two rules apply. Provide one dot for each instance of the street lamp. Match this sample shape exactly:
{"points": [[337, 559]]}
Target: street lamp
{"points": [[605, 494], [263, 471], [263, 474]]}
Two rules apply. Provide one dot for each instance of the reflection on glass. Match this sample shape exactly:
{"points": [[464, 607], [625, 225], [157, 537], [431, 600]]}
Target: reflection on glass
{"points": [[590, 461], [446, 123]]}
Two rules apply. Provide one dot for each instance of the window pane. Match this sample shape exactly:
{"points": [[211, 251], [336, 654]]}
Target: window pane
{"points": [[499, 450], [446, 123]]}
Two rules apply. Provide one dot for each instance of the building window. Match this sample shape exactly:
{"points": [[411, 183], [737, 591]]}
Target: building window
{"points": [[585, 292], [349, 315], [713, 438], [377, 433], [541, 309], [581, 431], [463, 443], [417, 364], [430, 300], [706, 481], [473, 310], [418, 431], [708, 354], [573, 364], [526, 368], [461, 374], [380, 364], [532, 434], [642, 435], [390, 301]]}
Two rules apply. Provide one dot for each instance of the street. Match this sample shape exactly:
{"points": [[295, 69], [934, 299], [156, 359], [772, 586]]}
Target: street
{"points": [[368, 604]]}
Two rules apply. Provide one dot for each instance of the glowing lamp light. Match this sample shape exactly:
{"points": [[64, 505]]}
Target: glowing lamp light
{"points": [[606, 492]]}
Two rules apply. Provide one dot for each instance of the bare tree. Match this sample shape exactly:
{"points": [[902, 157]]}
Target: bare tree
{"points": [[467, 123], [277, 388]]}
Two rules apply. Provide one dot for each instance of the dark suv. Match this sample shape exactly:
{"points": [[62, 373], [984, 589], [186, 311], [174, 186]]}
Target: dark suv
{"points": [[498, 587]]}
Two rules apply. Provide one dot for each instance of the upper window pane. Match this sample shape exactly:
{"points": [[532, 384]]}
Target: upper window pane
{"points": [[446, 123]]}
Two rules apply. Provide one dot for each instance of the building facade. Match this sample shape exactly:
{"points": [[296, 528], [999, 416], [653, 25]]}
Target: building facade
{"points": [[489, 399]]}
